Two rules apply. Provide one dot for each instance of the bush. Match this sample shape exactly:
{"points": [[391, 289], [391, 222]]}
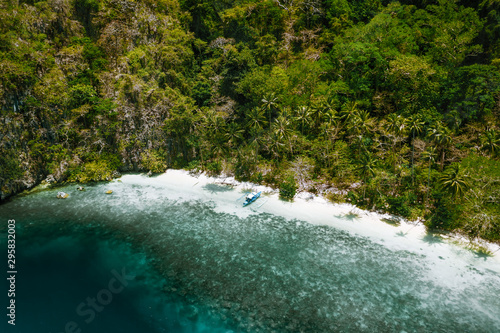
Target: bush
{"points": [[352, 197], [153, 161], [245, 165], [81, 94], [445, 214], [288, 188], [102, 168], [399, 206], [214, 168]]}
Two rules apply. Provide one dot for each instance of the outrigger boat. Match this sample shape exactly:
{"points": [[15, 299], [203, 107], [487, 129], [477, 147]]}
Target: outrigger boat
{"points": [[251, 198]]}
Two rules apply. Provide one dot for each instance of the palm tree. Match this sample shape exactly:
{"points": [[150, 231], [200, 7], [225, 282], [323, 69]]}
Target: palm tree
{"points": [[256, 139], [366, 168], [213, 122], [316, 114], [218, 148], [415, 126], [362, 122], [441, 136], [454, 181], [274, 145], [490, 142], [286, 112], [395, 124], [348, 111], [255, 119], [270, 101], [233, 134], [303, 117], [429, 154], [282, 131], [330, 130]]}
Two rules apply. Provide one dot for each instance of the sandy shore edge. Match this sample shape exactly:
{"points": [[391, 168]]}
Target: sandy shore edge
{"points": [[316, 209]]}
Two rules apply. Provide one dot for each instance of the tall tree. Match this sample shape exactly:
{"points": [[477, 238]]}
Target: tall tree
{"points": [[415, 126], [282, 130], [429, 154], [233, 134], [441, 136], [270, 102], [303, 117], [255, 119], [366, 169]]}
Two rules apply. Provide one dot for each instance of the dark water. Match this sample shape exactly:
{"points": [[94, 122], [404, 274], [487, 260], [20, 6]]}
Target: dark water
{"points": [[189, 268]]}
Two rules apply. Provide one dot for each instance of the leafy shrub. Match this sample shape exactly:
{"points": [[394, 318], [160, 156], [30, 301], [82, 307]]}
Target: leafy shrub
{"points": [[81, 94], [445, 214], [202, 92], [102, 168], [214, 168], [352, 197], [153, 161], [399, 205], [245, 165], [288, 188]]}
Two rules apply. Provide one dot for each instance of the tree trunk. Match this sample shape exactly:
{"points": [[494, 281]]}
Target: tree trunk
{"points": [[428, 184], [442, 160], [412, 163]]}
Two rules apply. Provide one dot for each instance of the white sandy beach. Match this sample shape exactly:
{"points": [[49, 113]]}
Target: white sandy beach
{"points": [[313, 209]]}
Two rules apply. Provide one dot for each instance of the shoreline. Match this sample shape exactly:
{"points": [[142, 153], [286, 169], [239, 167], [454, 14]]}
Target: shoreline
{"points": [[314, 209], [196, 232]]}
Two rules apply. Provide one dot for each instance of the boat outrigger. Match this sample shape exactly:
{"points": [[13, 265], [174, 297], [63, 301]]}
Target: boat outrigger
{"points": [[251, 198]]}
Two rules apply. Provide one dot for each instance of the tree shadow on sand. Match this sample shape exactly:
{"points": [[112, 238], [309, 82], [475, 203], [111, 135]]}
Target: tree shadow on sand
{"points": [[350, 216], [432, 238], [215, 188]]}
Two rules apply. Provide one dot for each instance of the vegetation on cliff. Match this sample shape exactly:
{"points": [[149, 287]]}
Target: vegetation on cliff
{"points": [[389, 105]]}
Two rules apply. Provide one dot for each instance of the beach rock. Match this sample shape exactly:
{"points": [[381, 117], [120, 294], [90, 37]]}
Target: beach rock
{"points": [[109, 191], [62, 195], [50, 179]]}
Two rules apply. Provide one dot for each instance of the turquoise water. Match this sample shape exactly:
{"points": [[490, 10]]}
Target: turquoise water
{"points": [[195, 268]]}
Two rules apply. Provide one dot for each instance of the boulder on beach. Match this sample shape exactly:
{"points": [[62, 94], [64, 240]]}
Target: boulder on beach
{"points": [[62, 195], [109, 191]]}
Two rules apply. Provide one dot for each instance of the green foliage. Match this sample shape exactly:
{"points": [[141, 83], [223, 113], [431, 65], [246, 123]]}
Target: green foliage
{"points": [[470, 92], [153, 161], [93, 54], [379, 98], [288, 188], [481, 217], [444, 215], [214, 168], [454, 181], [81, 94], [401, 205], [245, 166], [9, 166], [202, 92], [100, 168]]}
